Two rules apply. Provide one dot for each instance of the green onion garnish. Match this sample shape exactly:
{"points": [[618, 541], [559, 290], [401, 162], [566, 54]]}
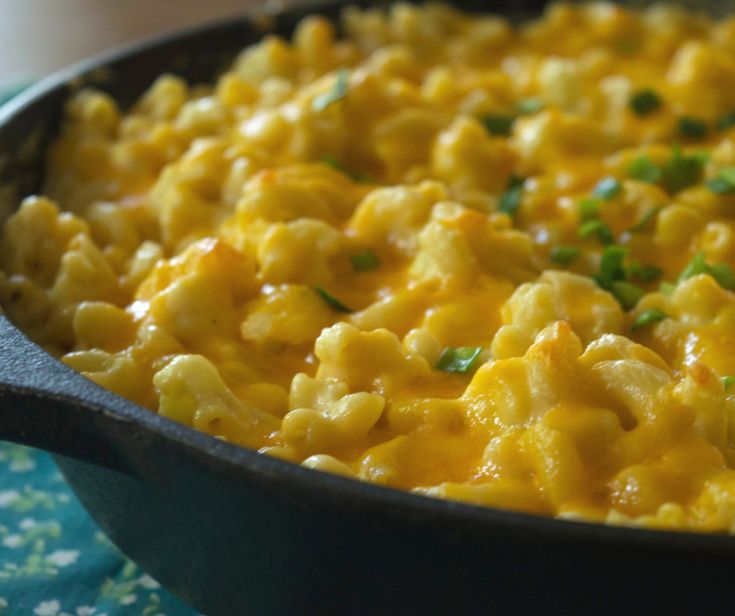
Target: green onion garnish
{"points": [[588, 208], [335, 163], [667, 288], [498, 124], [613, 277], [338, 91], [627, 44], [459, 359], [692, 128], [702, 156], [680, 171], [611, 266], [332, 161], [644, 102], [627, 294], [644, 169], [365, 261], [599, 228], [641, 225], [724, 275], [564, 255], [724, 182], [728, 381], [510, 200], [645, 273], [696, 266], [647, 317], [726, 121], [607, 189], [721, 272], [331, 300], [529, 106]]}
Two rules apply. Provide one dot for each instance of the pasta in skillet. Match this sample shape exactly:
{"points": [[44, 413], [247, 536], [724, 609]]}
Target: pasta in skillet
{"points": [[441, 253]]}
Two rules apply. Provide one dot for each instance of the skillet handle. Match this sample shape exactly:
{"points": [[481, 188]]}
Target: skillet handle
{"points": [[45, 404]]}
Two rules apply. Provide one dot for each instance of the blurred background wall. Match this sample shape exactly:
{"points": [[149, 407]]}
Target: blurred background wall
{"points": [[38, 37]]}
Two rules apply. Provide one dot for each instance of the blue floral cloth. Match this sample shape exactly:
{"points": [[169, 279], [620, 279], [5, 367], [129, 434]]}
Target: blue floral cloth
{"points": [[54, 560]]}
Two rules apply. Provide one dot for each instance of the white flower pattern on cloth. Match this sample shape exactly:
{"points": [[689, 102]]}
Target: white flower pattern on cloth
{"points": [[47, 608], [19, 459], [63, 558], [53, 608], [8, 497], [54, 561]]}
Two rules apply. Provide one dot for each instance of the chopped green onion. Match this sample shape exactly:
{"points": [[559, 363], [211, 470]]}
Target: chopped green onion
{"points": [[459, 359], [529, 106], [728, 381], [607, 189], [720, 186], [726, 121], [702, 156], [564, 255], [644, 169], [333, 162], [647, 317], [641, 225], [355, 176], [696, 266], [498, 124], [680, 171], [613, 277], [627, 294], [627, 44], [724, 182], [599, 228], [645, 273], [589, 208], [365, 261], [667, 288], [338, 91], [721, 272], [612, 266], [331, 300], [644, 102], [510, 200], [724, 275], [692, 128]]}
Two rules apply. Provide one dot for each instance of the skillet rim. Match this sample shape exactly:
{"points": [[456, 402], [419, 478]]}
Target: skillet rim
{"points": [[320, 488]]}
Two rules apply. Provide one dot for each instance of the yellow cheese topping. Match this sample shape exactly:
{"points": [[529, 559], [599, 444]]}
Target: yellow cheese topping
{"points": [[443, 253]]}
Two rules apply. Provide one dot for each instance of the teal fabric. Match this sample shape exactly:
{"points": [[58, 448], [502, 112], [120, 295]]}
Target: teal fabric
{"points": [[54, 560]]}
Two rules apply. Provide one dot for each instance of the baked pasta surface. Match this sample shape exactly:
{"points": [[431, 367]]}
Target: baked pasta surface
{"points": [[441, 253]]}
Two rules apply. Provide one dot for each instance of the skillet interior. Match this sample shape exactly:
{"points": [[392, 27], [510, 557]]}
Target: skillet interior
{"points": [[235, 532]]}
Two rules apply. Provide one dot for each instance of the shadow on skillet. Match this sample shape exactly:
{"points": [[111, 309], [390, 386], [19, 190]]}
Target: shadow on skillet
{"points": [[234, 532]]}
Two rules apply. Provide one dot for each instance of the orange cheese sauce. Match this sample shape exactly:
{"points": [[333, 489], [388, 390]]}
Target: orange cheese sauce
{"points": [[442, 253]]}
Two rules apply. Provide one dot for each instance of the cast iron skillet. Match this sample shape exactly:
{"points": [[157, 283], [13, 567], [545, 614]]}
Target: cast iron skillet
{"points": [[234, 532]]}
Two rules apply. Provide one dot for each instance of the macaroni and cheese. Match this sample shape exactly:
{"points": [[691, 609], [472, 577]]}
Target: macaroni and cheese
{"points": [[441, 253]]}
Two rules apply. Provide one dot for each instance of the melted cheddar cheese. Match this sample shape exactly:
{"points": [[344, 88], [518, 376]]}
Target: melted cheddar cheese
{"points": [[442, 253]]}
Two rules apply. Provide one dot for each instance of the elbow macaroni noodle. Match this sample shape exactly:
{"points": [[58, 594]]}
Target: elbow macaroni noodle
{"points": [[442, 253]]}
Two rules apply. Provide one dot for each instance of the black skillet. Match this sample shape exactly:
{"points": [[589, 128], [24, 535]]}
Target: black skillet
{"points": [[234, 532]]}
